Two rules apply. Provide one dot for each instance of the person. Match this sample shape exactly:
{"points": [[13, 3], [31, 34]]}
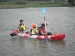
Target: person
{"points": [[34, 29], [21, 26], [43, 30]]}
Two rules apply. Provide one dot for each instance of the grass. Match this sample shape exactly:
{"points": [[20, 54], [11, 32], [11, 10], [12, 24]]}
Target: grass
{"points": [[29, 4]]}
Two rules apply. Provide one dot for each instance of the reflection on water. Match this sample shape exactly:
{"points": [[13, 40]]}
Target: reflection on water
{"points": [[58, 43], [43, 44], [40, 43]]}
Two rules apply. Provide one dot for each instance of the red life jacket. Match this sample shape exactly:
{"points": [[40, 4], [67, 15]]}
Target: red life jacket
{"points": [[42, 30]]}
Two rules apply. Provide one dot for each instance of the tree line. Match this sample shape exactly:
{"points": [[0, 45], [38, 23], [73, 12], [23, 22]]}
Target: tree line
{"points": [[70, 2]]}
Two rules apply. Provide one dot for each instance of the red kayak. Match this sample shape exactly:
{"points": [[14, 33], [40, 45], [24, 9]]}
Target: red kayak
{"points": [[40, 37]]}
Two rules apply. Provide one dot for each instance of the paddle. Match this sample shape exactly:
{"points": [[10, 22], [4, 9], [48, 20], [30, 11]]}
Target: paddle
{"points": [[43, 12], [45, 23]]}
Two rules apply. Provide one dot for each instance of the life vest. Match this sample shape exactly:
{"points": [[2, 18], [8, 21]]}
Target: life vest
{"points": [[22, 27], [34, 31], [42, 30]]}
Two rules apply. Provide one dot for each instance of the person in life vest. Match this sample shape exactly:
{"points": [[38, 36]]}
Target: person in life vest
{"points": [[34, 29], [43, 31], [21, 26]]}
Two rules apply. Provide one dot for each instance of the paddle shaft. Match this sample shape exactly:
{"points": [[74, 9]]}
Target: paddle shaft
{"points": [[45, 23]]}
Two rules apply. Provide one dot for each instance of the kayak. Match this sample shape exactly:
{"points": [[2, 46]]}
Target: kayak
{"points": [[57, 36]]}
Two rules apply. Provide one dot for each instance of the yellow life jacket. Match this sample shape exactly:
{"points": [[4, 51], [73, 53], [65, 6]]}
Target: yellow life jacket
{"points": [[23, 27], [34, 31]]}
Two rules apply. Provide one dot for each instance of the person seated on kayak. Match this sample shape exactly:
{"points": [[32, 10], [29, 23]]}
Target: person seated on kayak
{"points": [[34, 29], [43, 31], [21, 26]]}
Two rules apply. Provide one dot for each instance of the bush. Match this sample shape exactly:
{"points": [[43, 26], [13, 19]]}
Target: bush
{"points": [[20, 2]]}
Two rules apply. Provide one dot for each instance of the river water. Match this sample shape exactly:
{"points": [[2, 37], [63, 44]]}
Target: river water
{"points": [[60, 20]]}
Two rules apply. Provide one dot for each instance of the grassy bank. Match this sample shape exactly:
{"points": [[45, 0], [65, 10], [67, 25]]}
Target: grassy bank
{"points": [[29, 4]]}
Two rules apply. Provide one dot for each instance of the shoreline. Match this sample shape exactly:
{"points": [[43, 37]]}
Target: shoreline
{"points": [[12, 5]]}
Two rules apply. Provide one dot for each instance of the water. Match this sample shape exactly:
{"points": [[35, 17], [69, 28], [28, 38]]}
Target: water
{"points": [[60, 20]]}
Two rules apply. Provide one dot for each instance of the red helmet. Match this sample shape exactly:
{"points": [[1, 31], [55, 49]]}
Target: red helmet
{"points": [[34, 25]]}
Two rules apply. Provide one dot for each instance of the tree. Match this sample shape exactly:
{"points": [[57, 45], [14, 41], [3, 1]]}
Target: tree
{"points": [[71, 2]]}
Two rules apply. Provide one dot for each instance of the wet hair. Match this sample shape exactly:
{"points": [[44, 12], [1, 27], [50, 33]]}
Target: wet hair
{"points": [[43, 24], [21, 20]]}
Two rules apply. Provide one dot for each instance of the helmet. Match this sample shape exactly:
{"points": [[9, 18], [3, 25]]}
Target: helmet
{"points": [[34, 25]]}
